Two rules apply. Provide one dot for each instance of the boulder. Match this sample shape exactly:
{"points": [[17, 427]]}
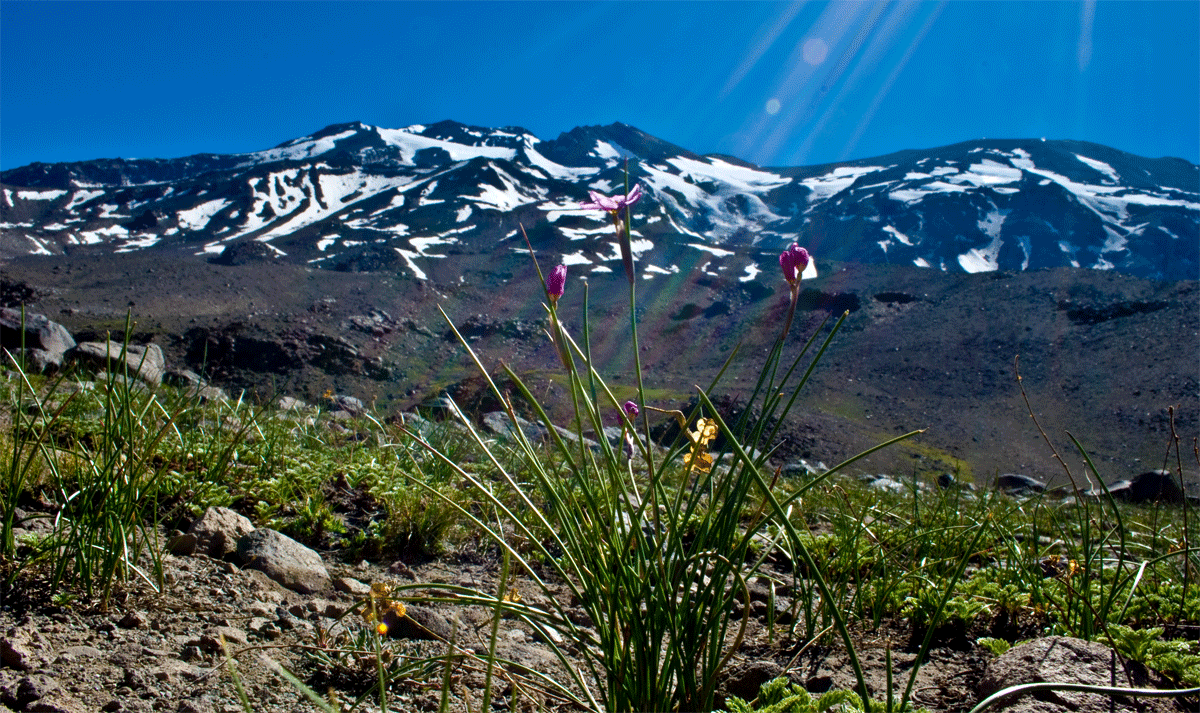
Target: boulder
{"points": [[1152, 486], [284, 560], [289, 403], [218, 530], [1062, 659], [947, 481], [145, 362], [497, 422], [1017, 484], [45, 342], [421, 623], [349, 404], [887, 484]]}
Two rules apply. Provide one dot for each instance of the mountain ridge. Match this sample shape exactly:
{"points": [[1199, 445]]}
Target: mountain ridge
{"points": [[409, 197]]}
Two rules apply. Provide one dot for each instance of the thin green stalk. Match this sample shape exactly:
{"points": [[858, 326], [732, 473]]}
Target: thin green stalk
{"points": [[1008, 695], [494, 637]]}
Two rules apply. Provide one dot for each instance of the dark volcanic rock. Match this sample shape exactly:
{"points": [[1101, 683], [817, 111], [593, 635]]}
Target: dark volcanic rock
{"points": [[1149, 487], [244, 253]]}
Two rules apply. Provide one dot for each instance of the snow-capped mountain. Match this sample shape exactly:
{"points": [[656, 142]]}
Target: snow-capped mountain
{"points": [[358, 197]]}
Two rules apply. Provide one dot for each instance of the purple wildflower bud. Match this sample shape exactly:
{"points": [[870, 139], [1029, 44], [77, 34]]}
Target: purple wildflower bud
{"points": [[556, 282], [793, 261], [631, 409]]}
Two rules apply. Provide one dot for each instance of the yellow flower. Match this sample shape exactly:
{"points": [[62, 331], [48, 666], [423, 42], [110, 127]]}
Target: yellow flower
{"points": [[706, 430], [701, 461], [393, 614], [381, 608]]}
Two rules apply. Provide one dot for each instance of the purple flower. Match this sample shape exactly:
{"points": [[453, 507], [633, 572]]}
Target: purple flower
{"points": [[556, 282], [631, 409], [793, 261], [618, 208], [612, 204]]}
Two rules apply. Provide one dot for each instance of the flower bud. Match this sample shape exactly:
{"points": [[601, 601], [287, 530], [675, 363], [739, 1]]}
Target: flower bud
{"points": [[556, 282], [793, 261], [631, 409]]}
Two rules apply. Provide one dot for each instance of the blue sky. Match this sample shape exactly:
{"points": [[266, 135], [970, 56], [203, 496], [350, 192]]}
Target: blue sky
{"points": [[773, 83]]}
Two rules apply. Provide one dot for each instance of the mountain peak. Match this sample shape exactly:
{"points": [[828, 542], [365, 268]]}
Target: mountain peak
{"points": [[352, 195]]}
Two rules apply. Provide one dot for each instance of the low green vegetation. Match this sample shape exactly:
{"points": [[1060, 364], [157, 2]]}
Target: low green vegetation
{"points": [[114, 466]]}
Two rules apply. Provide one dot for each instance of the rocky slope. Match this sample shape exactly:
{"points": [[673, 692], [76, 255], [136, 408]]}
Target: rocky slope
{"points": [[1102, 355]]}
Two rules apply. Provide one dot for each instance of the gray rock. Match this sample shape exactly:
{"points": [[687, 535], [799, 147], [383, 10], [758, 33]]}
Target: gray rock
{"points": [[1017, 484], [497, 422], [145, 362], [183, 378], [886, 484], [34, 688], [182, 545], [613, 434], [1062, 659], [570, 437], [947, 481], [218, 530], [347, 403], [351, 586], [209, 394], [744, 680], [284, 560], [419, 623], [16, 651], [34, 332], [287, 403]]}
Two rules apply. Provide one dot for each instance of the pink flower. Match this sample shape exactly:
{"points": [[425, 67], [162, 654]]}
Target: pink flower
{"points": [[618, 208], [631, 409], [556, 282], [793, 261], [613, 204]]}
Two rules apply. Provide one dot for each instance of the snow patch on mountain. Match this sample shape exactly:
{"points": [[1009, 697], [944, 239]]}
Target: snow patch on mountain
{"points": [[575, 258], [505, 199], [611, 152], [410, 143], [555, 170], [197, 218], [839, 179], [299, 149], [100, 235], [40, 195], [1101, 167], [719, 252], [424, 199], [708, 189], [897, 236], [81, 197]]}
